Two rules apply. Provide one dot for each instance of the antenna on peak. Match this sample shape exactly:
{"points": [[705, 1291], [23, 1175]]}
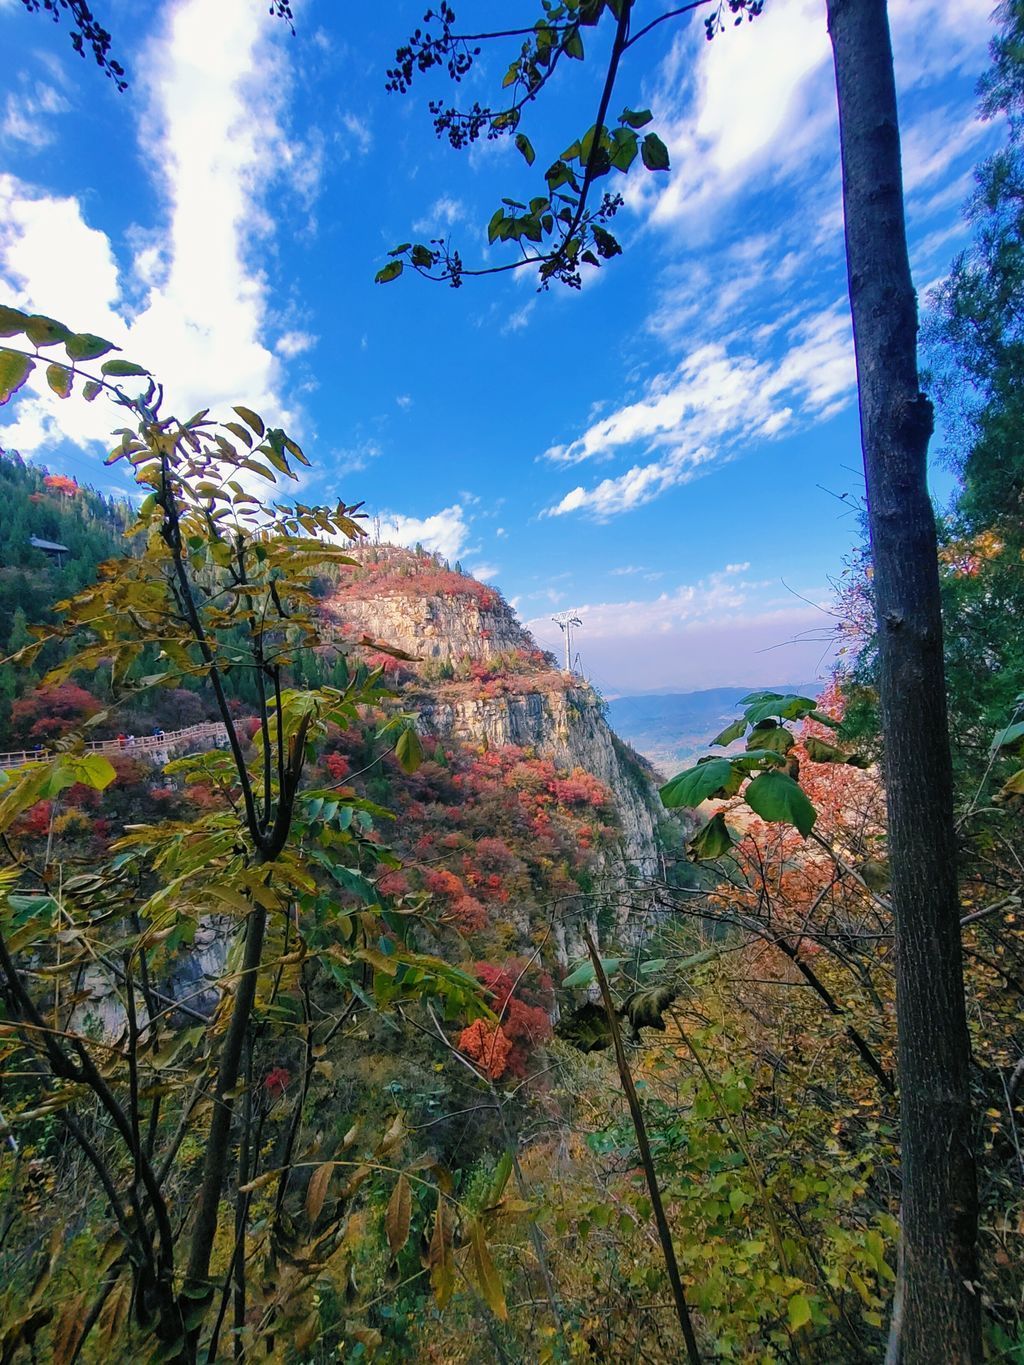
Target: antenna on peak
{"points": [[567, 622]]}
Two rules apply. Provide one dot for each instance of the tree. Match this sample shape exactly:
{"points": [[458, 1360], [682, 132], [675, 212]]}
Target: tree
{"points": [[937, 1314], [221, 584]]}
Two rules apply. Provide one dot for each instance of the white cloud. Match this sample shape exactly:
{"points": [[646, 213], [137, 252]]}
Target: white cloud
{"points": [[291, 344], [484, 572], [444, 212], [352, 459], [707, 408], [214, 87], [360, 137], [404, 400], [718, 630], [28, 115], [445, 531]]}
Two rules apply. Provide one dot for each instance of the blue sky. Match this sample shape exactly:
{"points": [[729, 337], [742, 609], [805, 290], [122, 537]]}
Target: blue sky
{"points": [[661, 451]]}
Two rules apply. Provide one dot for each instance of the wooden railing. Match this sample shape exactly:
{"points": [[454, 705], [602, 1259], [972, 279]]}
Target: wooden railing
{"points": [[137, 745]]}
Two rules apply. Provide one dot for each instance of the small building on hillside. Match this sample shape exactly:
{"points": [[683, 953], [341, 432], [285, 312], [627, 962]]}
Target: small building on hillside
{"points": [[50, 548]]}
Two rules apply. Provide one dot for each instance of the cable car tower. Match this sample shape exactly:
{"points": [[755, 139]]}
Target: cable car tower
{"points": [[567, 622]]}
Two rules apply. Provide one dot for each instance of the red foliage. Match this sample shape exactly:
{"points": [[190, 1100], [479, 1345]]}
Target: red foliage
{"points": [[469, 914], [275, 1083], [487, 1045], [337, 765], [49, 712], [60, 483], [441, 882], [36, 821]]}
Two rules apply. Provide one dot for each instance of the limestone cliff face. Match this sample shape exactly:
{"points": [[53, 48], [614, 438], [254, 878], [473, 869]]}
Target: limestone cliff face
{"points": [[441, 629], [479, 678]]}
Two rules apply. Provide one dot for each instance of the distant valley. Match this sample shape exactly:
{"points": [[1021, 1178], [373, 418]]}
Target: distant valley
{"points": [[671, 728]]}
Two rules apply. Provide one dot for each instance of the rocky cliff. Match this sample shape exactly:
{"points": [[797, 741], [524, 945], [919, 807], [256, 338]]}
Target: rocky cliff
{"points": [[477, 677]]}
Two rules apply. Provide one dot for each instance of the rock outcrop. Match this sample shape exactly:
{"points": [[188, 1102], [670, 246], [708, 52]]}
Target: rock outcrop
{"points": [[478, 677]]}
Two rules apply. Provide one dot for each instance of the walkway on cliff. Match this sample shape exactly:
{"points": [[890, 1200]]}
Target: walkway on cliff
{"points": [[157, 748]]}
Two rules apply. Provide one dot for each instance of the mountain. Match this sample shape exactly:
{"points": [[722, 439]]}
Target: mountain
{"points": [[478, 681], [671, 728]]}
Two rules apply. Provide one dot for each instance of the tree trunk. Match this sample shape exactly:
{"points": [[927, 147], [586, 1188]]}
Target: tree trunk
{"points": [[938, 1319]]}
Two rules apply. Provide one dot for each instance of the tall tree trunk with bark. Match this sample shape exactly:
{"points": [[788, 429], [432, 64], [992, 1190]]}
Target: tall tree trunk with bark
{"points": [[937, 1318]]}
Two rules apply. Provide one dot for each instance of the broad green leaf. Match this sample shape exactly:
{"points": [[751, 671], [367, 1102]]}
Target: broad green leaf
{"points": [[636, 118], [716, 777], [713, 840], [12, 322], [44, 331], [798, 1311], [85, 346], [409, 751], [770, 735], [824, 719], [398, 1217], [751, 697], [90, 389], [818, 751], [730, 733], [121, 369], [1007, 738], [775, 797], [785, 708], [59, 378], [390, 272], [526, 147], [486, 1275], [584, 973], [14, 370], [654, 153]]}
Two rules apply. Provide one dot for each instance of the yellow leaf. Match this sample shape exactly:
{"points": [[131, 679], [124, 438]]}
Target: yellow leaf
{"points": [[398, 1216], [317, 1191], [486, 1275], [439, 1256], [68, 1330]]}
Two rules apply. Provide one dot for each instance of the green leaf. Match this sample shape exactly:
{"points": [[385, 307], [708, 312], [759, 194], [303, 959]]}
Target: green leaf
{"points": [[712, 841], [714, 777], [486, 1275], [85, 346], [798, 1310], [90, 389], [731, 732], [44, 331], [14, 370], [751, 697], [526, 147], [624, 149], [121, 369], [654, 153], [635, 118], [12, 322], [818, 751], [775, 797], [409, 751], [1006, 739], [785, 707], [584, 973], [253, 418], [390, 272], [770, 735], [59, 378]]}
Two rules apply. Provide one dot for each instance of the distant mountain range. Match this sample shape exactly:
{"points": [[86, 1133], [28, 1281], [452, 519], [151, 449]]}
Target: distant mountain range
{"points": [[672, 728]]}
